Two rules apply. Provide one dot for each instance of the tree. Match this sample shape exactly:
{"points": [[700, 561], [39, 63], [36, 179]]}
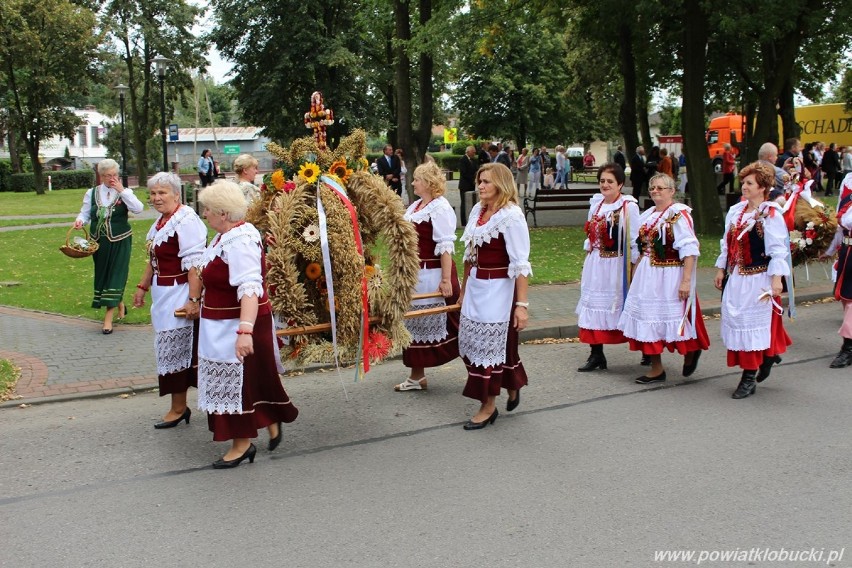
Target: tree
{"points": [[507, 92], [220, 98], [284, 50], [46, 48], [144, 29]]}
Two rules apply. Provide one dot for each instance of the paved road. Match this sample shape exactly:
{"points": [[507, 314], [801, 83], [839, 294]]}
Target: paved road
{"points": [[591, 471]]}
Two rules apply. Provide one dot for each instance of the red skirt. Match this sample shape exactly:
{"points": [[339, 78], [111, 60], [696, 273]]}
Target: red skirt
{"points": [[778, 343], [484, 382], [265, 401], [602, 336], [420, 354], [701, 341]]}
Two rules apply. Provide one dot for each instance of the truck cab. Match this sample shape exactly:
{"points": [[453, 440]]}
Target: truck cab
{"points": [[727, 129]]}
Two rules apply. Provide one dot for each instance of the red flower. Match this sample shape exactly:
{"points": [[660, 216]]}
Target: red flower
{"points": [[378, 346], [289, 186]]}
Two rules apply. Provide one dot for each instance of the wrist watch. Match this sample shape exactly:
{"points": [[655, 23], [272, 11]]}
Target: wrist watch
{"points": [[194, 300]]}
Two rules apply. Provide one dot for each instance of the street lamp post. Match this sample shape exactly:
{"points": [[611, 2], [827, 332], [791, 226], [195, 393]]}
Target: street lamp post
{"points": [[122, 90], [161, 64]]}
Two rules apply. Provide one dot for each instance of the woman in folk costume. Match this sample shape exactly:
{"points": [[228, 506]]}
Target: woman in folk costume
{"points": [[612, 229], [842, 243], [106, 208], [661, 310], [238, 360], [494, 294], [434, 338], [176, 243], [755, 256]]}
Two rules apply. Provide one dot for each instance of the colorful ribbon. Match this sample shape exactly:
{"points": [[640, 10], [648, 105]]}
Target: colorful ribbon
{"points": [[362, 363]]}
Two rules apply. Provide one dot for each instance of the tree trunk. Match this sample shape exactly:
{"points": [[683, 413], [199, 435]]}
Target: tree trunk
{"points": [[702, 188], [787, 111], [14, 155], [627, 113], [402, 70], [751, 148], [38, 169], [644, 125], [427, 66]]}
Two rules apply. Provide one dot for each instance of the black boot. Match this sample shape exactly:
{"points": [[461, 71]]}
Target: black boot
{"points": [[766, 367], [595, 361], [844, 358], [747, 385]]}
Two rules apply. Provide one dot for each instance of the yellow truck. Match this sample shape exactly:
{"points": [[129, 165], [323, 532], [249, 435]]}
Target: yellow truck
{"points": [[819, 123]]}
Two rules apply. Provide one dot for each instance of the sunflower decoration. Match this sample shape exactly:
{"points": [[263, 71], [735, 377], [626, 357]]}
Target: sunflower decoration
{"points": [[309, 172], [278, 180], [341, 170], [313, 270]]}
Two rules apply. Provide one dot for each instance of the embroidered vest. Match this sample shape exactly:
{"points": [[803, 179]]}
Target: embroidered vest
{"points": [[108, 221], [749, 252], [651, 244], [598, 231]]}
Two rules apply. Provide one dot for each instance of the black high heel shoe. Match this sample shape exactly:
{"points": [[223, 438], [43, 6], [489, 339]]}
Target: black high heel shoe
{"points": [[471, 425], [273, 442], [172, 423], [513, 404], [228, 464]]}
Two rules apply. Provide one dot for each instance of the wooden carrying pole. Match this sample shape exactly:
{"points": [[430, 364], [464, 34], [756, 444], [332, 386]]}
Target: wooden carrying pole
{"points": [[324, 327]]}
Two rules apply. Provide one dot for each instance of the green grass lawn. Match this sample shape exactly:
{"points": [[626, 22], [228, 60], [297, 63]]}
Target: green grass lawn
{"points": [[9, 375], [52, 282], [50, 203], [39, 221]]}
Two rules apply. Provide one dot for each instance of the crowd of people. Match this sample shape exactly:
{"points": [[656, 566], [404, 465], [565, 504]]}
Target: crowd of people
{"points": [[212, 319]]}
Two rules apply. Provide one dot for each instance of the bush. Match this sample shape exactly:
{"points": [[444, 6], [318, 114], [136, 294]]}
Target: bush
{"points": [[450, 162], [460, 146], [5, 172], [63, 179]]}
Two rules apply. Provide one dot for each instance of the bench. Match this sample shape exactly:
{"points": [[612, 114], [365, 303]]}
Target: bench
{"points": [[557, 200], [586, 175]]}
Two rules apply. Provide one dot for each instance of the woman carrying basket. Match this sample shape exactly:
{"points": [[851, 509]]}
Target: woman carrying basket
{"points": [[106, 208]]}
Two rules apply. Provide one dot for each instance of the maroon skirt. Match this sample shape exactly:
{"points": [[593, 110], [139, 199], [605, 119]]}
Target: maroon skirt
{"points": [[265, 401], [180, 381], [484, 382], [434, 354]]}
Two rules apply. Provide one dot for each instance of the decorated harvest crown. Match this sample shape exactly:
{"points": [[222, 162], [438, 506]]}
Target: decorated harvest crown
{"points": [[323, 215]]}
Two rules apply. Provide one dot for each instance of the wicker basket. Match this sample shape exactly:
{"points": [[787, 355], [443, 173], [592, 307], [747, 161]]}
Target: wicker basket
{"points": [[75, 251]]}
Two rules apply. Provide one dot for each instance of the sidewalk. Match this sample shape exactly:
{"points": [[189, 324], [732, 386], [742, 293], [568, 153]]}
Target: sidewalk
{"points": [[62, 357]]}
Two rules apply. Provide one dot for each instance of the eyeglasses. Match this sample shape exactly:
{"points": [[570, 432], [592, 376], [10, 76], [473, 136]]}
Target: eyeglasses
{"points": [[658, 188]]}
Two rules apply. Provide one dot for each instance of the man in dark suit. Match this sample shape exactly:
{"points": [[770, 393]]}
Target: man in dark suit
{"points": [[638, 177], [484, 156], [619, 159], [467, 178], [390, 168]]}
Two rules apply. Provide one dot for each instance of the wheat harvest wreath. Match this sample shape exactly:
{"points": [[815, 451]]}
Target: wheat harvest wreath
{"points": [[323, 213]]}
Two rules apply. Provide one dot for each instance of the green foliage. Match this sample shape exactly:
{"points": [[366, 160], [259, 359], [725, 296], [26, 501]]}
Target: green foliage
{"points": [[460, 147], [63, 179], [48, 45], [220, 97], [143, 30], [5, 173], [451, 162], [284, 50]]}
